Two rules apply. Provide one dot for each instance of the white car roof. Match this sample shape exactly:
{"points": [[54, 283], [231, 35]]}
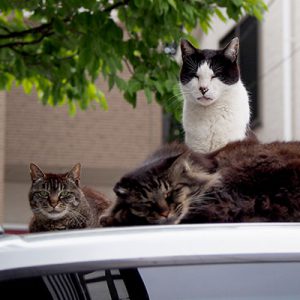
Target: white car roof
{"points": [[152, 246]]}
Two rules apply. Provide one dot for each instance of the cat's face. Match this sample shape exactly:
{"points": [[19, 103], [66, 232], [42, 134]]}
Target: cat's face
{"points": [[146, 195], [153, 204], [53, 196], [207, 75]]}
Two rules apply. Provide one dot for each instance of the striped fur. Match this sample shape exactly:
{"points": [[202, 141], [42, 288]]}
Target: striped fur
{"points": [[59, 203]]}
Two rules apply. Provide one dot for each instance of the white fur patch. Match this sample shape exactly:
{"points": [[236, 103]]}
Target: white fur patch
{"points": [[206, 81]]}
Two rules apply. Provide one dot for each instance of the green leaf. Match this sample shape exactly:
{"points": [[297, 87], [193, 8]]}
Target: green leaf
{"points": [[72, 108], [220, 15], [121, 83], [27, 86], [59, 26], [237, 2], [148, 94], [173, 4], [92, 91], [102, 100]]}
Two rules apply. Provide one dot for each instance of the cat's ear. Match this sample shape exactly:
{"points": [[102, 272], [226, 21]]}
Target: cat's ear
{"points": [[119, 190], [187, 48], [74, 174], [231, 51], [180, 166], [35, 172], [191, 168]]}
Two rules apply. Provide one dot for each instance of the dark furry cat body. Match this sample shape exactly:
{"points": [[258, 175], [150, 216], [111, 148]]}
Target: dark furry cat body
{"points": [[258, 182], [59, 203], [242, 182]]}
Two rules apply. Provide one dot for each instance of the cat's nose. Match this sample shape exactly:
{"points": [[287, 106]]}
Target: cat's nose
{"points": [[53, 202], [203, 89], [165, 213]]}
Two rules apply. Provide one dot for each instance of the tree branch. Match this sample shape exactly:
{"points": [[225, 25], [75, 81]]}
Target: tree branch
{"points": [[116, 5], [128, 66], [17, 44], [39, 29]]}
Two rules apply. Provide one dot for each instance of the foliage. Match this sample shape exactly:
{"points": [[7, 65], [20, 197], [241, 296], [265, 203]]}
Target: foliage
{"points": [[60, 47]]}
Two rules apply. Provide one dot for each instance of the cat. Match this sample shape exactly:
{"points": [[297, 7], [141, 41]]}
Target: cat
{"points": [[216, 103], [59, 203], [245, 181], [145, 185]]}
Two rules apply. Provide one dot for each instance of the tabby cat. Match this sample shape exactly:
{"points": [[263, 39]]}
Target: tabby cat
{"points": [[58, 202], [245, 181]]}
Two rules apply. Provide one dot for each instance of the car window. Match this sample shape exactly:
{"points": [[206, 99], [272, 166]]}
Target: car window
{"points": [[100, 285], [253, 281]]}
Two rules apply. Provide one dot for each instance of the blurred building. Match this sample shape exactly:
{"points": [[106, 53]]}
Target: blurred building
{"points": [[106, 143]]}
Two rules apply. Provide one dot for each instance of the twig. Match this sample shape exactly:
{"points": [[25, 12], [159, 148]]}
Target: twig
{"points": [[128, 66], [116, 5], [39, 29], [17, 44]]}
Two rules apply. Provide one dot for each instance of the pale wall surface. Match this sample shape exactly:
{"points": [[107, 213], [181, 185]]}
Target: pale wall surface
{"points": [[295, 39], [270, 80]]}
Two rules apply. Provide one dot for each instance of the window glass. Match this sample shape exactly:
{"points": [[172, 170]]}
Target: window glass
{"points": [[259, 281]]}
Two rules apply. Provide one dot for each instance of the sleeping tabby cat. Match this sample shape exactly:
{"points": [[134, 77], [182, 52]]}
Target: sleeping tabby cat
{"points": [[245, 181], [58, 202]]}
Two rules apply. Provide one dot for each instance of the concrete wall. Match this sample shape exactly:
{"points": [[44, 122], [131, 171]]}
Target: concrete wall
{"points": [[106, 143], [270, 79], [295, 40]]}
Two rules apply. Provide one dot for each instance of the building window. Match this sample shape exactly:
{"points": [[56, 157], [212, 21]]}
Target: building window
{"points": [[247, 31]]}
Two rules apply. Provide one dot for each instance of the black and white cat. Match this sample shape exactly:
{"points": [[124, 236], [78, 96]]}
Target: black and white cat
{"points": [[216, 103]]}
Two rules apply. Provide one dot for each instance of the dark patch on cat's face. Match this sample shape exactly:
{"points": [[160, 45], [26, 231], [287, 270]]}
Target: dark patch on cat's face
{"points": [[222, 62]]}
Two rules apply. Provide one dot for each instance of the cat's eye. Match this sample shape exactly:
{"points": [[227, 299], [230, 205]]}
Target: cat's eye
{"points": [[167, 194], [196, 76], [44, 194], [213, 76], [65, 194], [179, 187]]}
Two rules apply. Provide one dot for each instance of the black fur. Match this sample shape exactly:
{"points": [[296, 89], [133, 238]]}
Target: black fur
{"points": [[224, 69]]}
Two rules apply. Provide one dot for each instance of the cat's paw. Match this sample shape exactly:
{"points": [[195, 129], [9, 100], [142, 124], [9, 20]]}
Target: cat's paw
{"points": [[106, 221]]}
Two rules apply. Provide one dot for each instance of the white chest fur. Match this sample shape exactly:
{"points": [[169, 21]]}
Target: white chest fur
{"points": [[208, 128]]}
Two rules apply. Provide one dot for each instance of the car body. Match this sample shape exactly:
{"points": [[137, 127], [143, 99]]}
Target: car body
{"points": [[207, 261]]}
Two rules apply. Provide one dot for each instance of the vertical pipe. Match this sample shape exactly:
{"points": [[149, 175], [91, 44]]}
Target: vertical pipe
{"points": [[287, 70]]}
